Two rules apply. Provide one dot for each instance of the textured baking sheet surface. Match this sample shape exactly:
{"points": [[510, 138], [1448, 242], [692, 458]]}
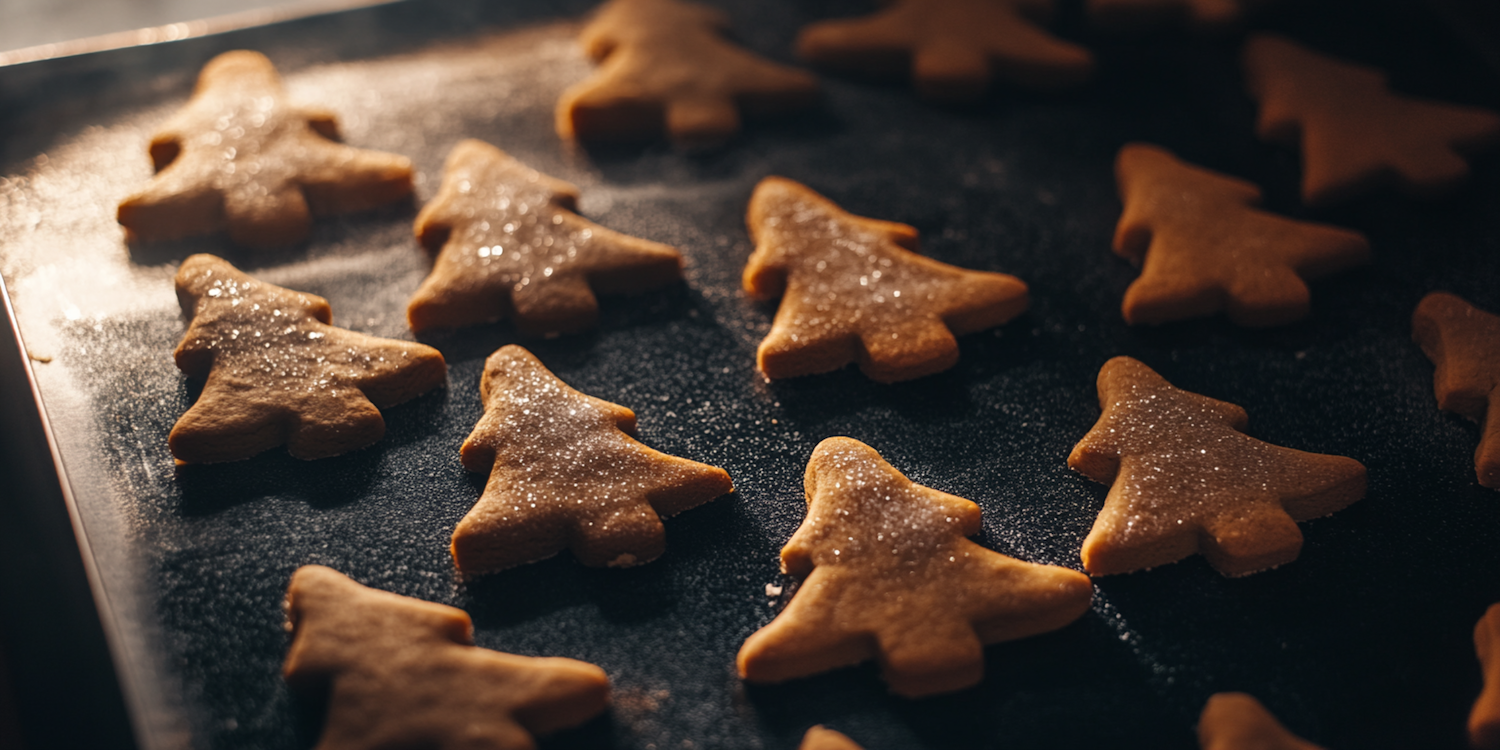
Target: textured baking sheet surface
{"points": [[1364, 641]]}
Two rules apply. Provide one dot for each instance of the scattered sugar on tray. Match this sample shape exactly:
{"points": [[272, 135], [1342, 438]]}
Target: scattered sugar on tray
{"points": [[1110, 615]]}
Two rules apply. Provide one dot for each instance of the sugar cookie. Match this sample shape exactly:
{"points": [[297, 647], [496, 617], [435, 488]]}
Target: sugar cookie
{"points": [[565, 473], [1185, 479], [509, 245], [665, 67], [402, 672], [1203, 246], [277, 372], [240, 157], [854, 290], [888, 575]]}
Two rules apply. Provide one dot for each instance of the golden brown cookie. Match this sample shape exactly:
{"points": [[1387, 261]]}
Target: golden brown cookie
{"points": [[240, 157], [1464, 342], [565, 473], [1237, 721], [278, 372], [1203, 247], [1136, 15], [1484, 718], [666, 68], [1355, 134], [401, 672], [952, 49], [888, 575], [820, 737], [1185, 479], [854, 290], [509, 245]]}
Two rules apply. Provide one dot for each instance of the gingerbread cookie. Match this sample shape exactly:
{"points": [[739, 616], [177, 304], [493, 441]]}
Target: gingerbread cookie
{"points": [[565, 473], [402, 672], [1185, 479], [1464, 342], [1484, 718], [822, 738], [952, 49], [1203, 247], [509, 245], [1136, 15], [854, 290], [1237, 721], [1355, 134], [666, 68], [888, 575], [278, 372], [240, 157]]}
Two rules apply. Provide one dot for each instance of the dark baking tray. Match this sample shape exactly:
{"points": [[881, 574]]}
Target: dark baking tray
{"points": [[1364, 641]]}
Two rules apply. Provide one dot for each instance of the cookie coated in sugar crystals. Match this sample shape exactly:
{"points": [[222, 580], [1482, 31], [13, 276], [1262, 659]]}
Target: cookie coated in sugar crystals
{"points": [[565, 472], [278, 372], [1185, 479], [509, 244], [399, 672], [1204, 247], [889, 575], [666, 68], [240, 157], [854, 290]]}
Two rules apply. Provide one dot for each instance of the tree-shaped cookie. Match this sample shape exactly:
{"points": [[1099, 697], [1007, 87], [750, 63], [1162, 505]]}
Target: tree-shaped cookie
{"points": [[1237, 721], [1354, 132], [509, 245], [565, 473], [1203, 246], [888, 575], [1464, 342], [1484, 718], [952, 49], [854, 290], [404, 673], [1185, 479], [666, 68], [240, 157], [822, 738], [278, 372]]}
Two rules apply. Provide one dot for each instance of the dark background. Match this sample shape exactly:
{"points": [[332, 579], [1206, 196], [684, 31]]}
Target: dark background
{"points": [[1364, 641]]}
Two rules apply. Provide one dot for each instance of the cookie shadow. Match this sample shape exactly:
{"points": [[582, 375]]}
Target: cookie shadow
{"points": [[622, 161], [331, 231], [832, 398], [617, 313], [596, 733], [528, 592], [416, 420], [209, 489]]}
